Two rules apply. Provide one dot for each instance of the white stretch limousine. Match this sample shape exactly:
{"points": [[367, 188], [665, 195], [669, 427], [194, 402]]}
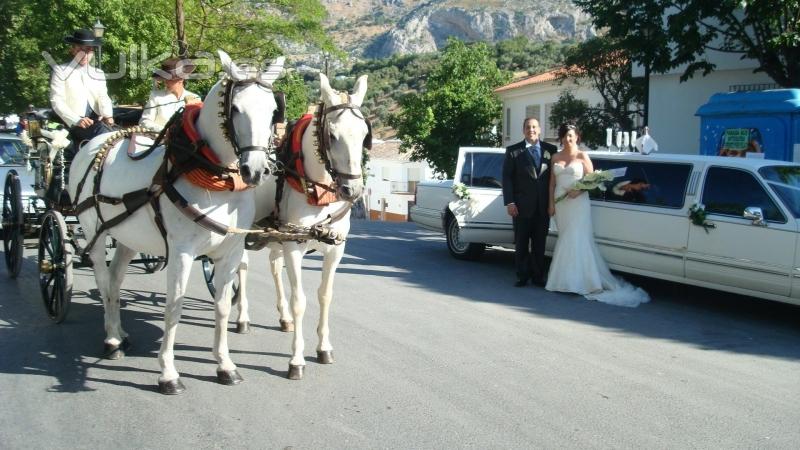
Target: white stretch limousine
{"points": [[643, 221]]}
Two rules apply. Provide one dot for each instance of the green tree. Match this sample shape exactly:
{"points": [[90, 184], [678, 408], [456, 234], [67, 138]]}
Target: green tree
{"points": [[141, 32], [607, 66], [664, 34], [591, 122], [457, 108], [297, 98]]}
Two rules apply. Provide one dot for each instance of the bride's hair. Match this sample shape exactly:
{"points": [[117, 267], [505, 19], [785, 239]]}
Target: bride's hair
{"points": [[564, 128]]}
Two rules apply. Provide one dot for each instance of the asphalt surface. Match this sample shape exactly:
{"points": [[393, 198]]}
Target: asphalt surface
{"points": [[430, 352]]}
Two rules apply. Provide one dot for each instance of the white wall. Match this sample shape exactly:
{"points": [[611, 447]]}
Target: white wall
{"points": [[673, 105], [380, 176], [517, 100]]}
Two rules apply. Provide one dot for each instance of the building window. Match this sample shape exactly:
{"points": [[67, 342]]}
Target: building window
{"points": [[534, 111], [508, 124], [550, 130]]}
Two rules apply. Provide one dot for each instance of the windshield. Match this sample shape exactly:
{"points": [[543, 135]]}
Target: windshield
{"points": [[12, 151], [785, 181]]}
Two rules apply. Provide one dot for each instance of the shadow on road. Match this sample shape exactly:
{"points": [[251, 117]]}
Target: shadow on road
{"points": [[677, 312]]}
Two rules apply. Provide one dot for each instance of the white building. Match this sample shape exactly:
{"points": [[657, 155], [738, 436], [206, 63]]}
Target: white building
{"points": [[534, 96], [391, 180], [673, 104]]}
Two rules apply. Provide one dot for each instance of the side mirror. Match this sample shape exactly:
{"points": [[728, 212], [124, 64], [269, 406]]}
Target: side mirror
{"points": [[755, 214]]}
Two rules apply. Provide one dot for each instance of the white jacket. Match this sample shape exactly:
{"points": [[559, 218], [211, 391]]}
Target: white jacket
{"points": [[72, 87], [160, 107]]}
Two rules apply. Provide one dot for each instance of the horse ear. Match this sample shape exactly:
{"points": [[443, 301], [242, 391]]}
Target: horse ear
{"points": [[359, 90], [325, 90], [273, 71], [230, 68]]}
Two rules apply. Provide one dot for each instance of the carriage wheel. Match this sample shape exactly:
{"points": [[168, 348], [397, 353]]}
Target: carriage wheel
{"points": [[55, 266], [208, 274], [152, 263], [13, 226]]}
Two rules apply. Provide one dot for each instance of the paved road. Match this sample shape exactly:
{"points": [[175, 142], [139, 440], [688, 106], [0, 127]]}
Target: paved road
{"points": [[431, 353]]}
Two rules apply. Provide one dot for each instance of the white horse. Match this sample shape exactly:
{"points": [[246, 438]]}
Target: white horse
{"points": [[235, 124], [332, 146]]}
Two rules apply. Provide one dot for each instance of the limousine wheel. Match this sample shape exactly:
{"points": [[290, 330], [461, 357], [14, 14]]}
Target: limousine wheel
{"points": [[459, 249]]}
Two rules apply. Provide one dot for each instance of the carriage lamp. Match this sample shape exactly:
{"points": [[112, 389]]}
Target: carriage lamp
{"points": [[99, 29]]}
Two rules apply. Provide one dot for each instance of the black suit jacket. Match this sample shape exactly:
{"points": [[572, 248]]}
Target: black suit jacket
{"points": [[525, 185]]}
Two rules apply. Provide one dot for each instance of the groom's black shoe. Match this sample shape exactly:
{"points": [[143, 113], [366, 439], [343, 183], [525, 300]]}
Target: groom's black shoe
{"points": [[539, 281], [520, 283]]}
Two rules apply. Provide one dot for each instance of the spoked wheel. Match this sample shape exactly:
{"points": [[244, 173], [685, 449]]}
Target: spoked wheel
{"points": [[152, 263], [55, 266], [13, 238], [208, 274]]}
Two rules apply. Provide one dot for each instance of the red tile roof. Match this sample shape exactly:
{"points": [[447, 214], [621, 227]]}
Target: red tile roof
{"points": [[533, 79]]}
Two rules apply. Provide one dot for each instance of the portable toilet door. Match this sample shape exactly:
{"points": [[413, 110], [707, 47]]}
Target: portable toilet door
{"points": [[760, 124]]}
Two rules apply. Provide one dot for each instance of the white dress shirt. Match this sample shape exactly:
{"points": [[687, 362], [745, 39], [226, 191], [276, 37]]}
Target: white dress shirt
{"points": [[74, 87], [160, 107]]}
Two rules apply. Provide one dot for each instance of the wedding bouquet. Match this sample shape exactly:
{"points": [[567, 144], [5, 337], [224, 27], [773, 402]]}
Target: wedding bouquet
{"points": [[590, 182]]}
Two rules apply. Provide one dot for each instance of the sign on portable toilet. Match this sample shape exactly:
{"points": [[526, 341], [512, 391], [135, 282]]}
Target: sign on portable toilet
{"points": [[758, 124]]}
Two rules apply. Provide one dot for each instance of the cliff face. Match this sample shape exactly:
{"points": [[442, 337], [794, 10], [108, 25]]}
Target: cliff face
{"points": [[381, 28]]}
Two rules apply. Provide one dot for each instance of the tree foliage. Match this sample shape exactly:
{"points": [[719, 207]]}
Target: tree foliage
{"points": [[139, 34], [606, 64], [665, 34], [296, 91], [457, 108], [591, 122]]}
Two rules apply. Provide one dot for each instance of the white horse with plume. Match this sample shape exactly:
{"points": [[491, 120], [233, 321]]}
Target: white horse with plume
{"points": [[235, 125], [330, 159]]}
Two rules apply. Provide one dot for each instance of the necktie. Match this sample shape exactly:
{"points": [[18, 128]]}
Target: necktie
{"points": [[536, 156]]}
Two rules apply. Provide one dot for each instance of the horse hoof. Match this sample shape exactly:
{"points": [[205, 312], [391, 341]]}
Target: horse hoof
{"points": [[116, 352], [295, 372], [325, 356], [229, 377], [243, 327], [287, 326], [171, 387]]}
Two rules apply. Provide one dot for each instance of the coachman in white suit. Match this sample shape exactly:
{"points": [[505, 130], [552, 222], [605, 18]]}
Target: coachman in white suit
{"points": [[163, 103], [78, 92]]}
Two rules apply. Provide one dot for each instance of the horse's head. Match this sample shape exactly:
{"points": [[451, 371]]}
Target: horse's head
{"points": [[345, 134], [245, 103]]}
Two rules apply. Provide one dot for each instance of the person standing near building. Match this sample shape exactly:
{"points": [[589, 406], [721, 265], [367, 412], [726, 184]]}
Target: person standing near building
{"points": [[526, 179], [78, 92], [163, 103]]}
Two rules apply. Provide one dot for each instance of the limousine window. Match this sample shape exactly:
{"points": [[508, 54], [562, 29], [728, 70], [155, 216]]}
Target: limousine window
{"points": [[483, 170], [785, 181], [641, 182], [729, 191]]}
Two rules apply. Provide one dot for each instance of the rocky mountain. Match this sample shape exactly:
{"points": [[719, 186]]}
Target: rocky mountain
{"points": [[382, 28]]}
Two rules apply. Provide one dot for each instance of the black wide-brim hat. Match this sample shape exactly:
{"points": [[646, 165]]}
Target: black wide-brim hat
{"points": [[174, 68], [83, 37]]}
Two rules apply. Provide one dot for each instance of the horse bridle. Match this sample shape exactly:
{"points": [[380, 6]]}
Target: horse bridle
{"points": [[227, 114], [325, 142]]}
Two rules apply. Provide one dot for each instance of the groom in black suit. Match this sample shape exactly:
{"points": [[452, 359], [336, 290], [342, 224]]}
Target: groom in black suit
{"points": [[526, 191]]}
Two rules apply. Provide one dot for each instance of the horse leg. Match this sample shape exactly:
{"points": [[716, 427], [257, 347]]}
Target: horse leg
{"points": [[225, 270], [293, 253], [333, 255], [276, 267], [243, 320], [119, 266], [178, 270], [102, 276]]}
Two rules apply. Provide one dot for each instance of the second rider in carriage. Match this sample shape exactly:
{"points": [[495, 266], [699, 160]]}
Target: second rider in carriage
{"points": [[78, 92], [163, 103]]}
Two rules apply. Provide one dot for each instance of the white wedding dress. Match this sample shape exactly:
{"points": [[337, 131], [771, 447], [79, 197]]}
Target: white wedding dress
{"points": [[577, 265]]}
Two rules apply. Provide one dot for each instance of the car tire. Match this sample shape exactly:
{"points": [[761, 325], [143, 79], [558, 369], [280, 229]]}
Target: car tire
{"points": [[461, 250]]}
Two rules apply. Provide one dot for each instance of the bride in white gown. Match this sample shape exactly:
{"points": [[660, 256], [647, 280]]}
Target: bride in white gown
{"points": [[577, 265]]}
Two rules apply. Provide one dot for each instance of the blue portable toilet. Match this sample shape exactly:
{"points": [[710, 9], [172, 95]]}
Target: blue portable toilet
{"points": [[762, 124]]}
